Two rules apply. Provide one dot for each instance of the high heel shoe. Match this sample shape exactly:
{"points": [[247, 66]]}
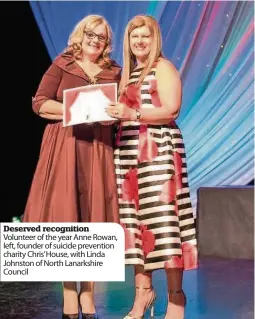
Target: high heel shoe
{"points": [[87, 315], [150, 305], [74, 316], [71, 316], [176, 292]]}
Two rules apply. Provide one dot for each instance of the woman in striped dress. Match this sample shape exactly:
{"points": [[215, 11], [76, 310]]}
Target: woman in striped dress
{"points": [[154, 199]]}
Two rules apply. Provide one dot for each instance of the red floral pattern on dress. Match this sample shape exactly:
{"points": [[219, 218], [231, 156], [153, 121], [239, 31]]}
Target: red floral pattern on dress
{"points": [[123, 99], [168, 193], [178, 170], [130, 187], [129, 237], [177, 163], [174, 262], [147, 148], [155, 100], [190, 256], [176, 208], [131, 96], [148, 240], [119, 134]]}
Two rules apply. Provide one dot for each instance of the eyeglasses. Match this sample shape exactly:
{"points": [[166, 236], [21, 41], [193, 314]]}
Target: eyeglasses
{"points": [[91, 35]]}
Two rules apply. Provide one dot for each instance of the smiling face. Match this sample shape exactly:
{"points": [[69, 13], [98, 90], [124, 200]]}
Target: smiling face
{"points": [[94, 41], [140, 42]]}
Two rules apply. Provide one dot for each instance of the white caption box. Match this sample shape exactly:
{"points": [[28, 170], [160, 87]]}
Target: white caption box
{"points": [[62, 252]]}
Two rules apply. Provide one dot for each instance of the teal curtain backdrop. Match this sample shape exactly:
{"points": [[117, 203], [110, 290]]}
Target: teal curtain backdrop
{"points": [[211, 44]]}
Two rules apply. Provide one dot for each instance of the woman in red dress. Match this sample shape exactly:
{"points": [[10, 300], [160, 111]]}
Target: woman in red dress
{"points": [[75, 180]]}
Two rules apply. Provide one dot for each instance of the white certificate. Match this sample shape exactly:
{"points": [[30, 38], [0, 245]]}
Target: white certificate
{"points": [[87, 104]]}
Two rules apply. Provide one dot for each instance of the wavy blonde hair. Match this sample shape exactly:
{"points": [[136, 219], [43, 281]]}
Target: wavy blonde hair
{"points": [[129, 60], [76, 37]]}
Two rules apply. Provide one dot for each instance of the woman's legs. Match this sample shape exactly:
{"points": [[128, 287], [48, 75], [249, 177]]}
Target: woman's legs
{"points": [[143, 293], [70, 298], [176, 297], [87, 297]]}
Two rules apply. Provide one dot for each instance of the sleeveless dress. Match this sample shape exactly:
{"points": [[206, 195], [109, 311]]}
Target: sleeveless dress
{"points": [[153, 191]]}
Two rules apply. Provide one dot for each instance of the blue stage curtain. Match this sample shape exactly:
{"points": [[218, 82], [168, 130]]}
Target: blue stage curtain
{"points": [[211, 44]]}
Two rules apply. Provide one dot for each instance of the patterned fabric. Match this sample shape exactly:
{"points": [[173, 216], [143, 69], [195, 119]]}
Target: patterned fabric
{"points": [[153, 190]]}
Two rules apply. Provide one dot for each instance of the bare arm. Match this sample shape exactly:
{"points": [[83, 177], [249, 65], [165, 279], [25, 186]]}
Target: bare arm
{"points": [[170, 94]]}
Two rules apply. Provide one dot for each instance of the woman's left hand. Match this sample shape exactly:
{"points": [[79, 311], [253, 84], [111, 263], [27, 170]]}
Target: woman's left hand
{"points": [[121, 111]]}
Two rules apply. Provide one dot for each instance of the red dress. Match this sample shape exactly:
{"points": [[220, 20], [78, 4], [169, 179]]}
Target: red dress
{"points": [[74, 178]]}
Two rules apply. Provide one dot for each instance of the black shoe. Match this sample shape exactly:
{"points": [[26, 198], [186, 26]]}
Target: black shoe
{"points": [[89, 316], [86, 315], [74, 316]]}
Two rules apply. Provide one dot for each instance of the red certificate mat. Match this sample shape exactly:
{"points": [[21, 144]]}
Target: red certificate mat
{"points": [[86, 104]]}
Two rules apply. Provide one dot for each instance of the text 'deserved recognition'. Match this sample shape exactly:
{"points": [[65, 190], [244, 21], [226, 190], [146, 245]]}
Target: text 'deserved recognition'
{"points": [[62, 252]]}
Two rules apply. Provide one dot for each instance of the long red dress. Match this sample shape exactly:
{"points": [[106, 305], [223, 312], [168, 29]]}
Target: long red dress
{"points": [[74, 178]]}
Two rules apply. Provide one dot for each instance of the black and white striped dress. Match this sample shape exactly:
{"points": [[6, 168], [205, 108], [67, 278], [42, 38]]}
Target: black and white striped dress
{"points": [[153, 190]]}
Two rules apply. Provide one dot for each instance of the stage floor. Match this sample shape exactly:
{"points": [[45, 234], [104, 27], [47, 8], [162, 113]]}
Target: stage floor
{"points": [[219, 289]]}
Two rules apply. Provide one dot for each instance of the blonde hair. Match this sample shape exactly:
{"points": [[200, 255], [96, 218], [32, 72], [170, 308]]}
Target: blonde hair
{"points": [[76, 37], [129, 60]]}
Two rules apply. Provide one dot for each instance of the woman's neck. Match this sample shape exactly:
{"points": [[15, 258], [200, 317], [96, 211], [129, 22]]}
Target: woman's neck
{"points": [[89, 60], [140, 63]]}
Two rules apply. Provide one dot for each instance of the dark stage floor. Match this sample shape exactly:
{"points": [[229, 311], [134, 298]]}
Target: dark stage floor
{"points": [[220, 289]]}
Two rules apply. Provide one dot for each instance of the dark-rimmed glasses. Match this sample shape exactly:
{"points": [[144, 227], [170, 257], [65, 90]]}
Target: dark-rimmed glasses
{"points": [[91, 35]]}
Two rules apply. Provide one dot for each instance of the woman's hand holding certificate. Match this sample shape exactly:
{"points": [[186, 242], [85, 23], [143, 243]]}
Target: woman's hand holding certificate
{"points": [[88, 104]]}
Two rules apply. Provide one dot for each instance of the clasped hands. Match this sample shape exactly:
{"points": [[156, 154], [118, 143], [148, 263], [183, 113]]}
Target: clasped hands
{"points": [[121, 111]]}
